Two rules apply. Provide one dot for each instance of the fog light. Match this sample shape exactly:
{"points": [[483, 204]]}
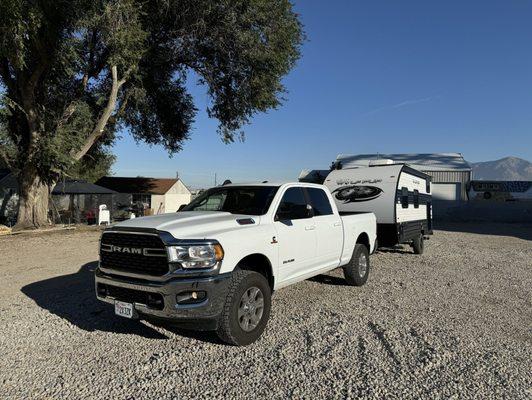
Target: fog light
{"points": [[155, 301], [102, 290], [191, 297]]}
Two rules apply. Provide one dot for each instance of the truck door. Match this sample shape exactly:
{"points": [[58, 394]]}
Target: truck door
{"points": [[296, 235], [329, 230]]}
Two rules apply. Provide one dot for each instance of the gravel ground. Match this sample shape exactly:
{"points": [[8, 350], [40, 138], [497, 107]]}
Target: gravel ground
{"points": [[453, 323]]}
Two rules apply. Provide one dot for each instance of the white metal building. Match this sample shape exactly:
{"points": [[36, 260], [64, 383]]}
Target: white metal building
{"points": [[449, 171]]}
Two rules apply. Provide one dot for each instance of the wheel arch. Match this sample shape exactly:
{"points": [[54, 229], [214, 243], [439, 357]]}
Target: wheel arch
{"points": [[363, 238], [260, 263]]}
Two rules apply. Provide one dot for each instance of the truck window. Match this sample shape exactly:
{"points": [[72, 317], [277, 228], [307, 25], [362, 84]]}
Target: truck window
{"points": [[249, 200], [293, 205], [404, 197], [416, 198], [319, 201]]}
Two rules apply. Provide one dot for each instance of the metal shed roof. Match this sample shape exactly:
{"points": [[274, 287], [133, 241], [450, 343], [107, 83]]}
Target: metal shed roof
{"points": [[3, 173], [80, 187], [8, 180], [423, 161]]}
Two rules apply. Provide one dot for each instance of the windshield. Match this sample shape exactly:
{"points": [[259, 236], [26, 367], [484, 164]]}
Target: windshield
{"points": [[250, 200]]}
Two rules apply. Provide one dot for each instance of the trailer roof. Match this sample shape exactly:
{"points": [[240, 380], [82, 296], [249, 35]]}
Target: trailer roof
{"points": [[422, 161]]}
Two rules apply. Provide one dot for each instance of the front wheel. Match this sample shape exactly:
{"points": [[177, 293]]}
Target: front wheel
{"points": [[357, 271], [246, 309]]}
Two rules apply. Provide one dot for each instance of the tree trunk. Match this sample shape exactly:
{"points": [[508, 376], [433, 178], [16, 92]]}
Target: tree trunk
{"points": [[33, 202]]}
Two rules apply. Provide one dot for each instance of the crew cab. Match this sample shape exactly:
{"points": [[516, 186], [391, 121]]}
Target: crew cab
{"points": [[214, 264]]}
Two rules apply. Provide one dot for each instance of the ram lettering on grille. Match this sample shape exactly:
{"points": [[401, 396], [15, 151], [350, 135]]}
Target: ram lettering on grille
{"points": [[142, 254]]}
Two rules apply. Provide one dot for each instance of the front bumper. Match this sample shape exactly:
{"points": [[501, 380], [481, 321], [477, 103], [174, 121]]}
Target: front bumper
{"points": [[202, 315]]}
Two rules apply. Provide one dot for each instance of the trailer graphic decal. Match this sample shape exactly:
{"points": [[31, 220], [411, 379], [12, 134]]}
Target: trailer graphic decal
{"points": [[349, 194]]}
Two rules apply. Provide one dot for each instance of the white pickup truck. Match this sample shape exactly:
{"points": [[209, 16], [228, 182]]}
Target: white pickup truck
{"points": [[215, 264]]}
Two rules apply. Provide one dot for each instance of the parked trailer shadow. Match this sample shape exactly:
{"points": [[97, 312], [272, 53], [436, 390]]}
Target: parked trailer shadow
{"points": [[72, 298]]}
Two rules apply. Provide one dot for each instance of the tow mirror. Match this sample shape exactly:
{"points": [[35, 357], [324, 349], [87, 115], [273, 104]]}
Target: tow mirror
{"points": [[181, 207]]}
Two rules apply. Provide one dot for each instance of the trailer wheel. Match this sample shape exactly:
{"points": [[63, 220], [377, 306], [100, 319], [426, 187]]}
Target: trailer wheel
{"points": [[357, 271], [418, 244], [246, 310]]}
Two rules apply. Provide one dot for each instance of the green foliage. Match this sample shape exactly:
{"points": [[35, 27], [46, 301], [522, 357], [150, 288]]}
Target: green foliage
{"points": [[96, 163], [56, 58]]}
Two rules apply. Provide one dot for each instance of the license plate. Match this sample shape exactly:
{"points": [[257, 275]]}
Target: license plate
{"points": [[124, 309]]}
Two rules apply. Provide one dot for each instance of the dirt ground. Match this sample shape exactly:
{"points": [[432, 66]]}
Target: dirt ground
{"points": [[455, 322]]}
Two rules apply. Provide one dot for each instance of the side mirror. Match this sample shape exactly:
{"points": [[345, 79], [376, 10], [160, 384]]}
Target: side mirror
{"points": [[310, 211], [181, 207]]}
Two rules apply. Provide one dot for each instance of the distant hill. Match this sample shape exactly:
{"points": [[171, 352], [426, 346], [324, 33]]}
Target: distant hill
{"points": [[505, 169]]}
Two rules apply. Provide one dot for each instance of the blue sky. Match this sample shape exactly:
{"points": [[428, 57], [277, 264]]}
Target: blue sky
{"points": [[375, 76]]}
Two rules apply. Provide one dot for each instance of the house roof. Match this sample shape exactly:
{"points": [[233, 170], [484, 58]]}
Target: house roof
{"points": [[137, 185], [3, 173], [423, 161], [80, 187], [8, 180]]}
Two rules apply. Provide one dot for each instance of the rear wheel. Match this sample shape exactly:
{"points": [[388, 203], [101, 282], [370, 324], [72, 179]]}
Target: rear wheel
{"points": [[246, 309], [418, 244], [357, 271]]}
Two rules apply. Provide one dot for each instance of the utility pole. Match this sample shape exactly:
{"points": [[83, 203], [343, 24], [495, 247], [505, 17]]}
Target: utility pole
{"points": [[215, 180]]}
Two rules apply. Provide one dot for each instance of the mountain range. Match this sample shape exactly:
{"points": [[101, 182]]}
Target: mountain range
{"points": [[505, 169]]}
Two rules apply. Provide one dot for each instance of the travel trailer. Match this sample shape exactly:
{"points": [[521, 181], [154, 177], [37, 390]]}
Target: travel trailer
{"points": [[399, 196]]}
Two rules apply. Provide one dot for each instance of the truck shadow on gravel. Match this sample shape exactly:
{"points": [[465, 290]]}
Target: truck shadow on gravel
{"points": [[72, 298], [328, 280]]}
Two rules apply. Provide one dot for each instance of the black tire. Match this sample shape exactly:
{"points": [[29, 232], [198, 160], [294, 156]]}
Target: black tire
{"points": [[229, 327], [418, 244], [357, 271]]}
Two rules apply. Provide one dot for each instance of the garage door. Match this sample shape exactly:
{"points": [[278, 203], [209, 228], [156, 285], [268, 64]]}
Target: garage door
{"points": [[446, 191]]}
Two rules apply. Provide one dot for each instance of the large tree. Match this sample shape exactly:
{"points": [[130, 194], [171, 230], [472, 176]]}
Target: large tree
{"points": [[73, 72]]}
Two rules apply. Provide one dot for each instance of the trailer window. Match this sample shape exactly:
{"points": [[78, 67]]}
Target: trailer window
{"points": [[416, 198], [319, 201], [404, 197]]}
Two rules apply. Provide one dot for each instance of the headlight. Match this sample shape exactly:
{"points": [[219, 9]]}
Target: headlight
{"points": [[196, 256]]}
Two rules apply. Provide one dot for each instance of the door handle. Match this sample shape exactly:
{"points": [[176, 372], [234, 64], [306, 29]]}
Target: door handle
{"points": [[337, 223], [310, 227]]}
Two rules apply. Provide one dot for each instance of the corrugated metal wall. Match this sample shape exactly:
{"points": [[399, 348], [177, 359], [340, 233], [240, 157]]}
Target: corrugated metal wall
{"points": [[462, 177]]}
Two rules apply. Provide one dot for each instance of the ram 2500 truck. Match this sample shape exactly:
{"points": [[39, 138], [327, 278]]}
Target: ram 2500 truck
{"points": [[215, 264]]}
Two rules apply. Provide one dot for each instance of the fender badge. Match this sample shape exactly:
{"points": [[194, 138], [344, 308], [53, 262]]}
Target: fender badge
{"points": [[274, 240]]}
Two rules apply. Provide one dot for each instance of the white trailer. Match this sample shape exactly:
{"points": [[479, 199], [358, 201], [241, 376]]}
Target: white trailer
{"points": [[398, 195]]}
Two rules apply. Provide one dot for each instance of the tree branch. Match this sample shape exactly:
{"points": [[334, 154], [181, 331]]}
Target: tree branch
{"points": [[99, 128], [66, 114], [90, 61], [39, 70]]}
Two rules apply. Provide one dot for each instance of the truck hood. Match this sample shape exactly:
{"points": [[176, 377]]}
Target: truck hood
{"points": [[190, 224]]}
